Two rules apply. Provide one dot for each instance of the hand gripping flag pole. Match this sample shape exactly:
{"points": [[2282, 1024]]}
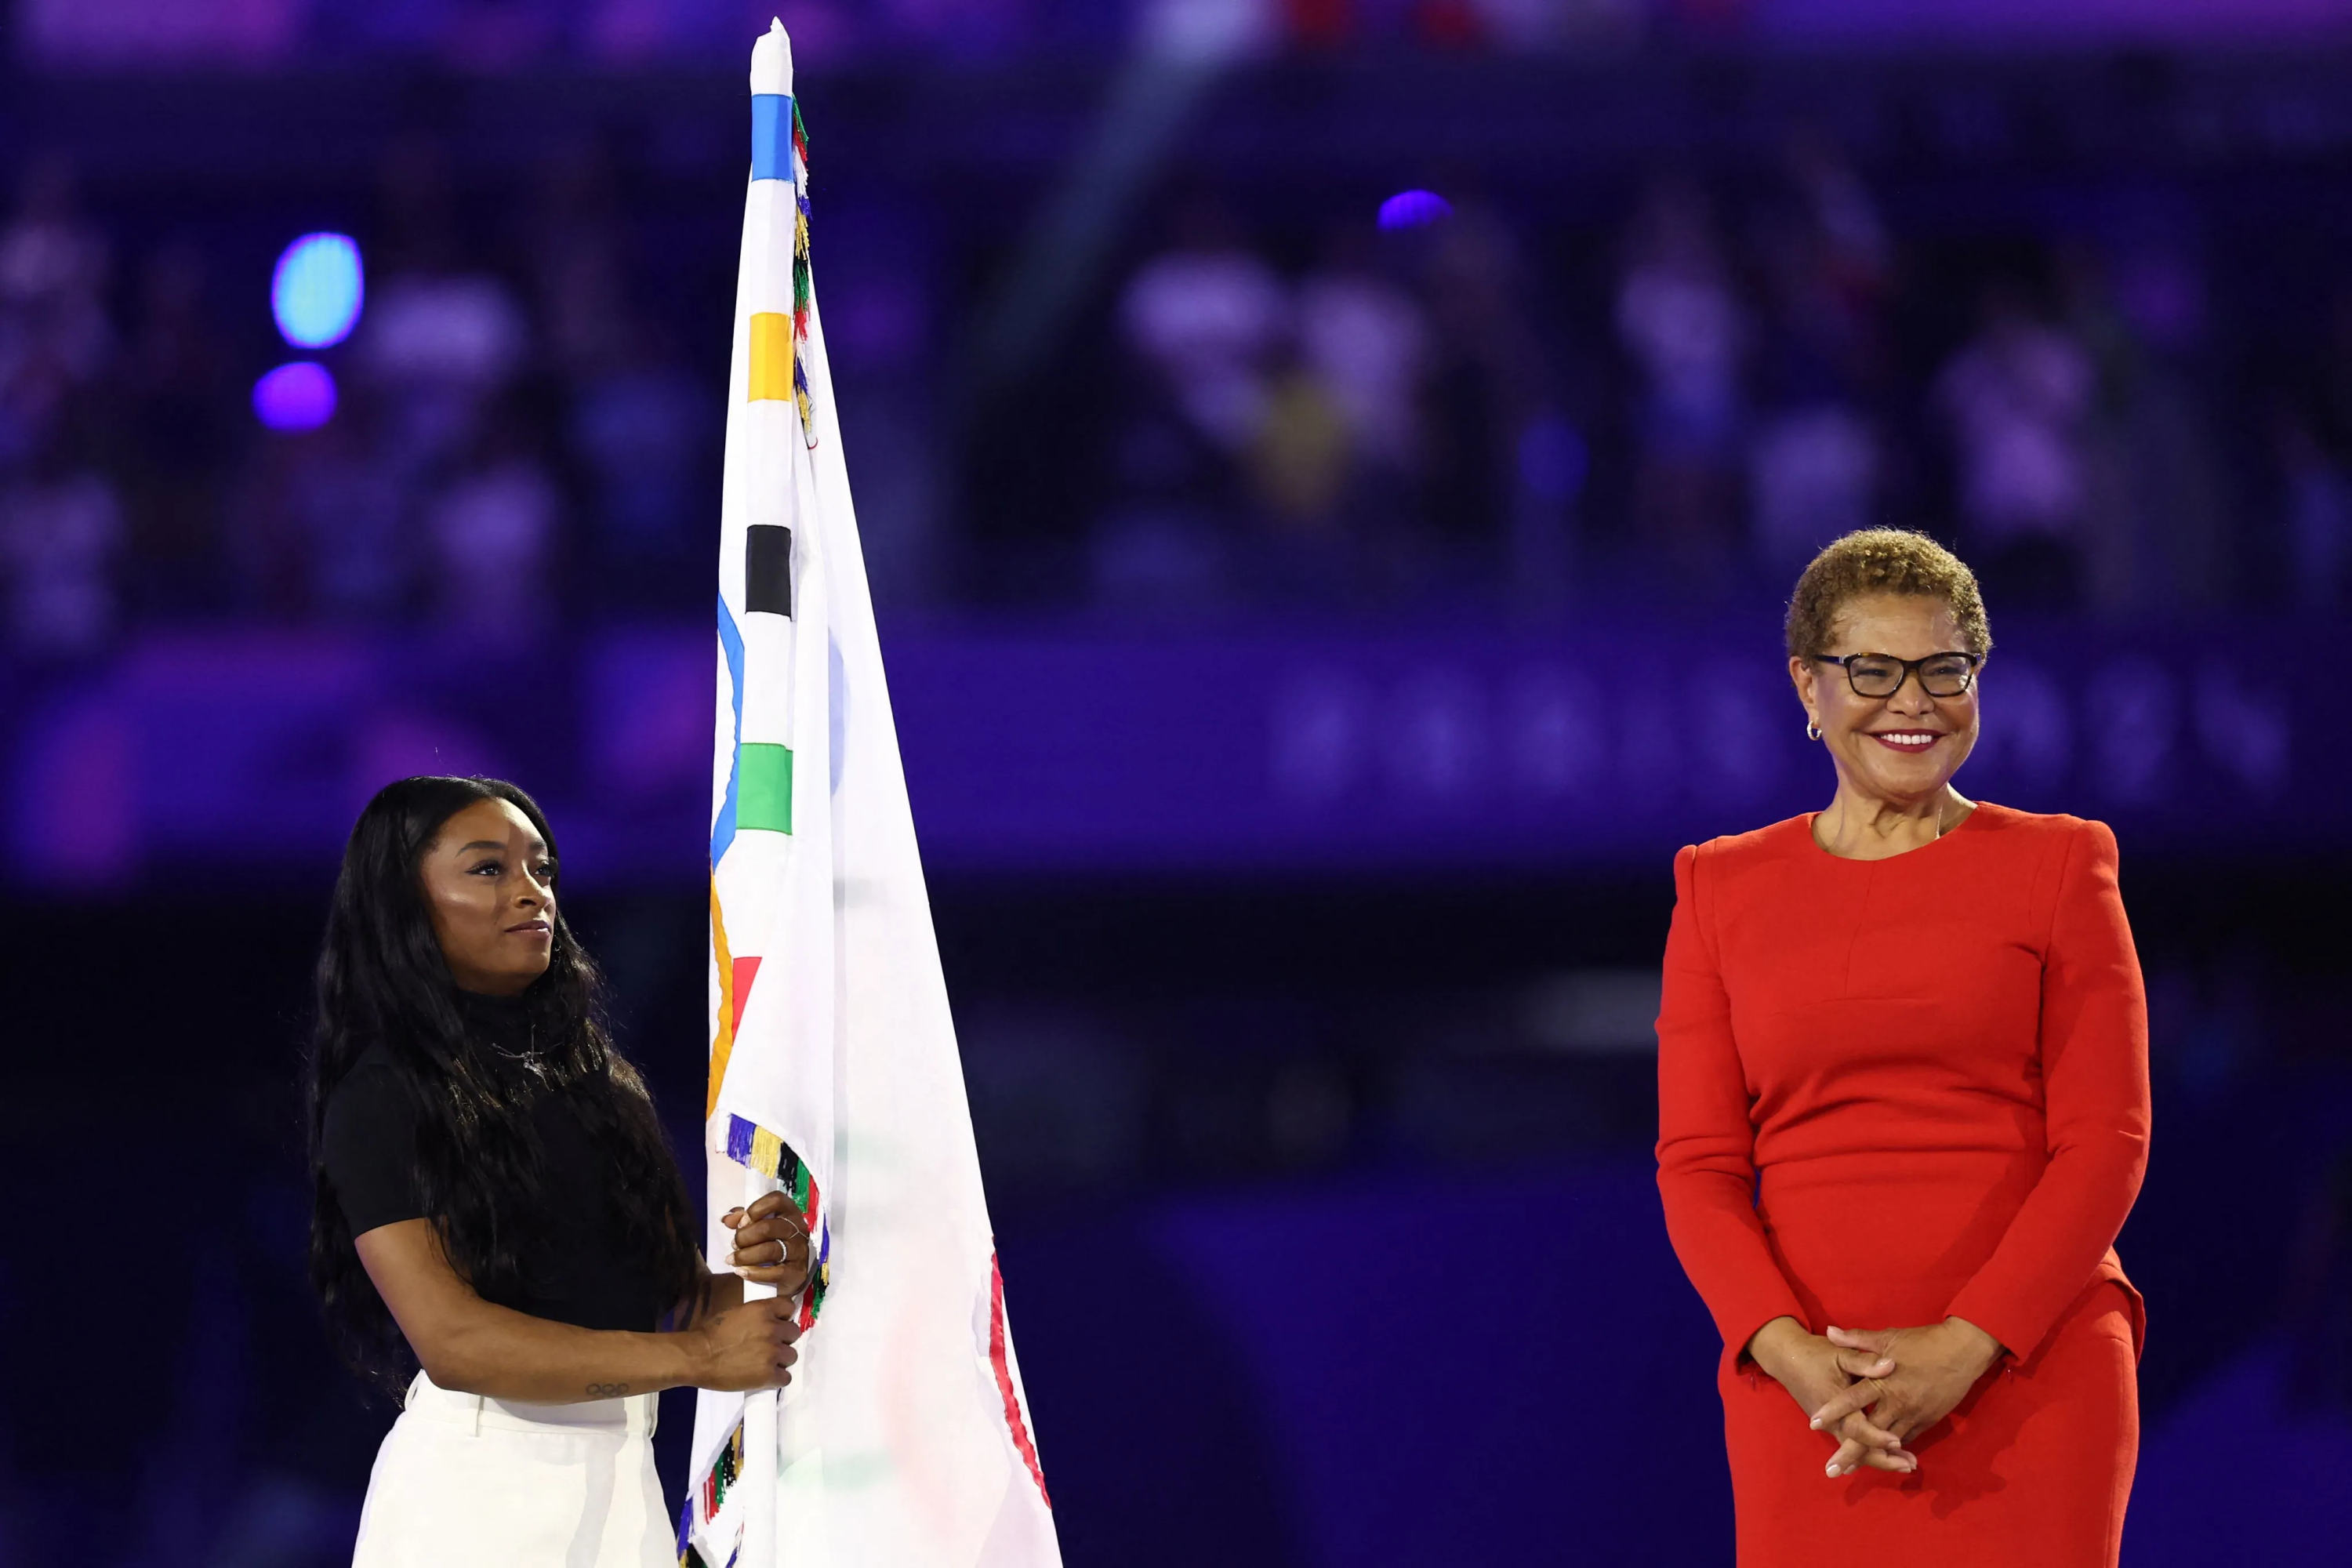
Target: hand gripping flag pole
{"points": [[904, 1439]]}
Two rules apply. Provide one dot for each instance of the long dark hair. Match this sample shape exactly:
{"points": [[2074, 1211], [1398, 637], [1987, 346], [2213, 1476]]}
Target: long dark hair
{"points": [[382, 981]]}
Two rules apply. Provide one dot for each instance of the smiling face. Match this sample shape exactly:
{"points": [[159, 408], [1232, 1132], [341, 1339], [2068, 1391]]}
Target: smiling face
{"points": [[1899, 749], [488, 882]]}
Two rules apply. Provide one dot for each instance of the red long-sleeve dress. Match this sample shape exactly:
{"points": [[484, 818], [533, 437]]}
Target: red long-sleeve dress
{"points": [[1891, 1091]]}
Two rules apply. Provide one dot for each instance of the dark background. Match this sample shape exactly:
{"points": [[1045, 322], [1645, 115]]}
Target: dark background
{"points": [[1305, 673]]}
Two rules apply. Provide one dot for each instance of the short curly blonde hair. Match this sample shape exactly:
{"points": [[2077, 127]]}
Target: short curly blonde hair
{"points": [[1882, 560]]}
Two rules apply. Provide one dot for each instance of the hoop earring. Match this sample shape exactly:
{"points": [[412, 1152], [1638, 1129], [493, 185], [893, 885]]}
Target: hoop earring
{"points": [[1812, 731]]}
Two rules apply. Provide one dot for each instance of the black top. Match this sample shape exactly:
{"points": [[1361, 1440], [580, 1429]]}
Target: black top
{"points": [[575, 1268]]}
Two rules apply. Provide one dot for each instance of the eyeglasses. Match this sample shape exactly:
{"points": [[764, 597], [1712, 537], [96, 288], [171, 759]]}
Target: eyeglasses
{"points": [[1882, 674]]}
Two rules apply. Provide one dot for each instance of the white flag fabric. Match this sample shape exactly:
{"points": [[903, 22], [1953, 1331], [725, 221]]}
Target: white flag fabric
{"points": [[904, 1439]]}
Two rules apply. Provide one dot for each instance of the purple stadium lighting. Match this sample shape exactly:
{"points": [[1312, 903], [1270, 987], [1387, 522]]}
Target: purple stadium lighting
{"points": [[297, 396], [316, 290], [1413, 210]]}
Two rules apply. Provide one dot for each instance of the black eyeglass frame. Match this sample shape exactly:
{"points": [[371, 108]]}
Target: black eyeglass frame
{"points": [[1911, 668]]}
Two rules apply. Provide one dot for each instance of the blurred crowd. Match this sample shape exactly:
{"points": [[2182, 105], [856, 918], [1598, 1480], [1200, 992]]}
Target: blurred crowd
{"points": [[1737, 376], [510, 441], [505, 35], [1446, 403]]}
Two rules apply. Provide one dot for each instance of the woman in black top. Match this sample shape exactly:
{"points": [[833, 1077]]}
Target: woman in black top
{"points": [[495, 1202]]}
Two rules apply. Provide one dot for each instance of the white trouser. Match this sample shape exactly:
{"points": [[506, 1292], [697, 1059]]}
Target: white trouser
{"points": [[463, 1481]]}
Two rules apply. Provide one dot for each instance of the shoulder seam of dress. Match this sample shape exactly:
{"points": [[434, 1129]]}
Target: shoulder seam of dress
{"points": [[1703, 908], [2058, 889]]}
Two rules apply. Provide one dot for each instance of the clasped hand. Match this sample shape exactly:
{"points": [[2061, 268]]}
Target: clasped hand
{"points": [[1872, 1390]]}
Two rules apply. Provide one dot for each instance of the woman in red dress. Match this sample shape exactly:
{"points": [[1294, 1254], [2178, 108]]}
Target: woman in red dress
{"points": [[1903, 1110]]}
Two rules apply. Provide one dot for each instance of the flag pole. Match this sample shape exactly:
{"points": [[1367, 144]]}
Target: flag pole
{"points": [[762, 1437], [773, 200]]}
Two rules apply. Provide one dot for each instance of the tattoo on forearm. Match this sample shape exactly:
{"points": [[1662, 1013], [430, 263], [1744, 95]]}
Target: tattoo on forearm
{"points": [[607, 1390]]}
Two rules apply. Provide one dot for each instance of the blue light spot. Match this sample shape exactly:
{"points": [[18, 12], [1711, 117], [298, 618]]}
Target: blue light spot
{"points": [[298, 396], [1413, 210], [318, 290]]}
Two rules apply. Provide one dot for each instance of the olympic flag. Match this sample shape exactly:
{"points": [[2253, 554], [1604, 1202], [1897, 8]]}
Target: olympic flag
{"points": [[903, 1440]]}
